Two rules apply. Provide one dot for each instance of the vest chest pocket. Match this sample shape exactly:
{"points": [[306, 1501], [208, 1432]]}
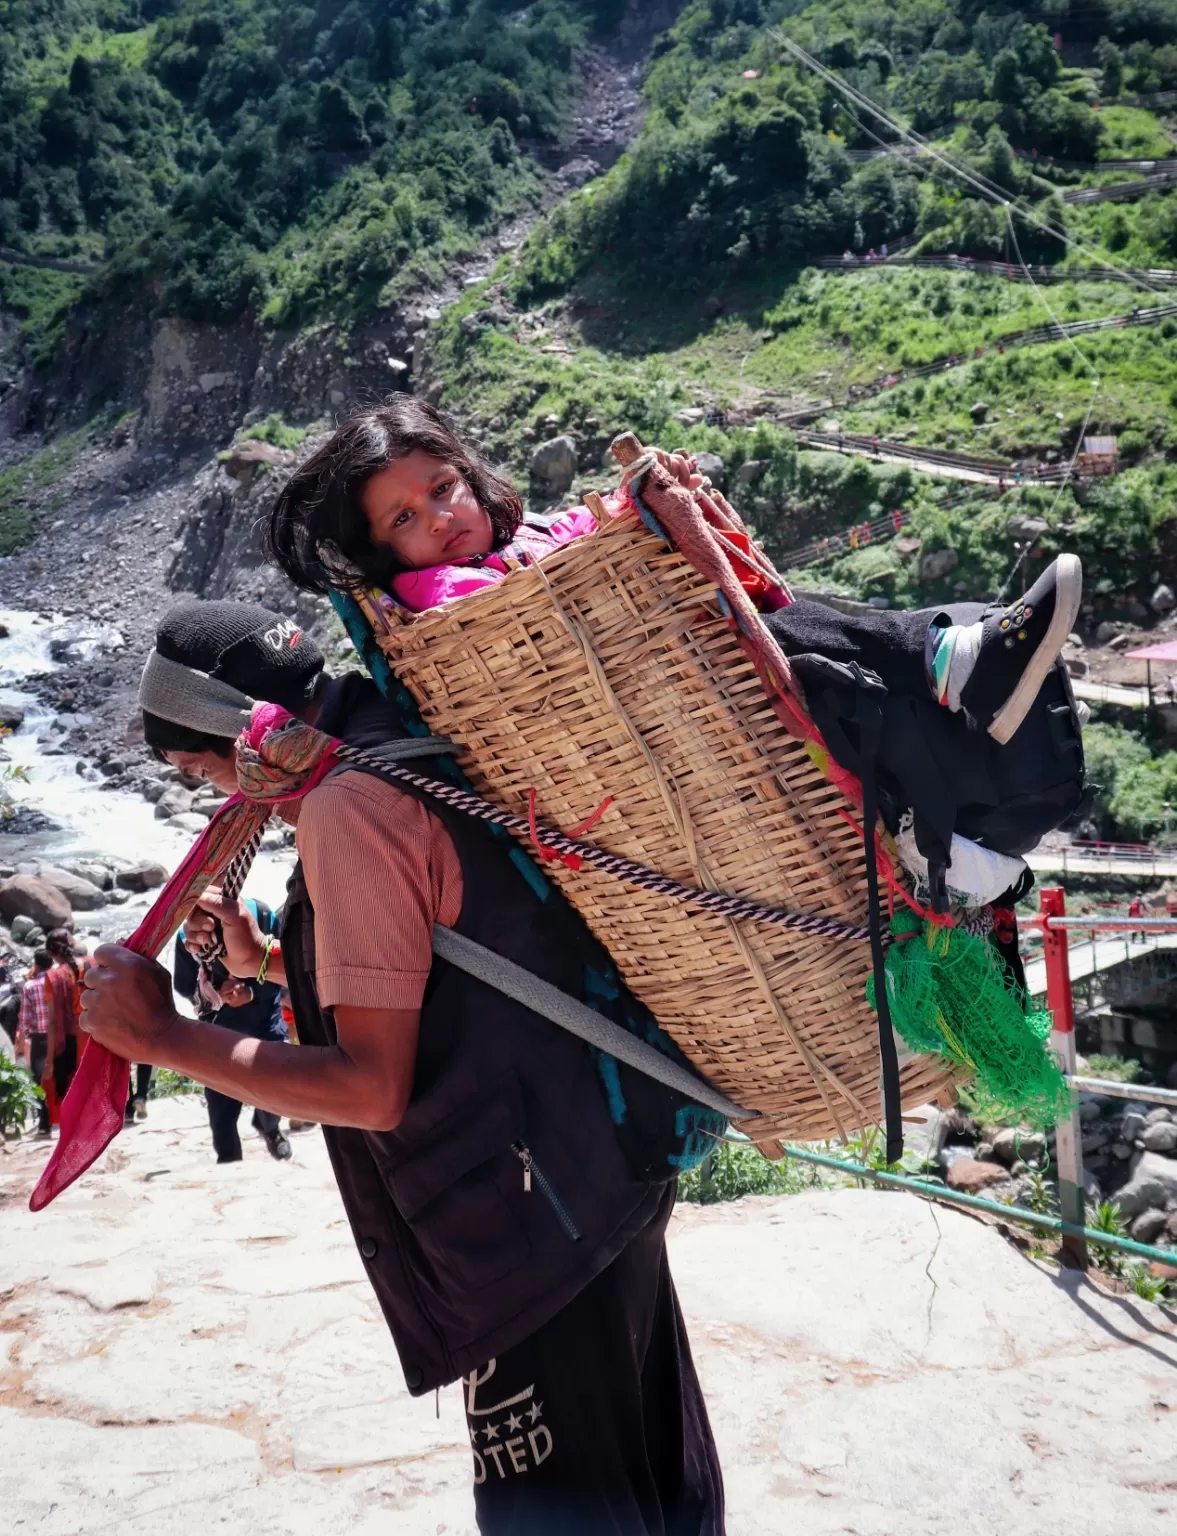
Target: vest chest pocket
{"points": [[459, 1190]]}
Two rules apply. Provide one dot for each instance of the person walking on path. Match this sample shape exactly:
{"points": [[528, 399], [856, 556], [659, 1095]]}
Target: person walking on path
{"points": [[64, 982], [137, 1093], [508, 1188], [37, 1032], [249, 1008]]}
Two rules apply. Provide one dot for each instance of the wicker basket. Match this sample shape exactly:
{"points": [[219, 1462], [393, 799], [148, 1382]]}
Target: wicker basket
{"points": [[612, 671]]}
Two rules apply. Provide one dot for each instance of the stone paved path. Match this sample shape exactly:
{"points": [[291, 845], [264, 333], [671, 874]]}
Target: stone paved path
{"points": [[190, 1349]]}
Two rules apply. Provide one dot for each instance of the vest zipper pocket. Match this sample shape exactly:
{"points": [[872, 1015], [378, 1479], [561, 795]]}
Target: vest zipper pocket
{"points": [[533, 1172]]}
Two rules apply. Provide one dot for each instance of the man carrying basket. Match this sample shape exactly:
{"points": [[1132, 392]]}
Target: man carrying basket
{"points": [[508, 1187]]}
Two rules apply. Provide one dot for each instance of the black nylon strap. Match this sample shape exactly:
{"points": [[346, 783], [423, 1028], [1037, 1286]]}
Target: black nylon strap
{"points": [[870, 724]]}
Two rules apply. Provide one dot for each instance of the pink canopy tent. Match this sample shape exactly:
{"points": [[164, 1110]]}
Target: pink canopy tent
{"points": [[1166, 652]]}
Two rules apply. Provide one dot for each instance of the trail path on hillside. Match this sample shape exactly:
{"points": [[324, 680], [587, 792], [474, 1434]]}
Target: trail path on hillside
{"points": [[185, 1346]]}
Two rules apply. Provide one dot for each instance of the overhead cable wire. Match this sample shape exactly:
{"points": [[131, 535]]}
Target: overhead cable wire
{"points": [[988, 190], [1069, 473]]}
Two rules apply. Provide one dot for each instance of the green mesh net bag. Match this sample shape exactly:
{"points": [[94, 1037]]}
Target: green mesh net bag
{"points": [[949, 997]]}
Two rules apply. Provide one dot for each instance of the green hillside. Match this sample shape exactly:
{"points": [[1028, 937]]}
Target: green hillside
{"points": [[295, 163], [286, 159], [686, 281]]}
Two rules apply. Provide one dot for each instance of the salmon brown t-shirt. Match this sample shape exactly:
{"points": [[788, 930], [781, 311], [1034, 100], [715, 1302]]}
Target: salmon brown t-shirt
{"points": [[380, 870]]}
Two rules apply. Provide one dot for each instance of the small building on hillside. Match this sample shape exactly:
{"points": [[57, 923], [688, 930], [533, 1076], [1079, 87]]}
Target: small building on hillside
{"points": [[1098, 456]]}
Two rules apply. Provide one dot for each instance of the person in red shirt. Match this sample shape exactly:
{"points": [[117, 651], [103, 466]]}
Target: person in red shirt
{"points": [[35, 1032]]}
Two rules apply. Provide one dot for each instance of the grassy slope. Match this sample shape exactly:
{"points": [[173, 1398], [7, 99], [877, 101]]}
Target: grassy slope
{"points": [[603, 351]]}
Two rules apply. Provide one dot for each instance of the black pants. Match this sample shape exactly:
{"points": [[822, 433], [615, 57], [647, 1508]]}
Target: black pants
{"points": [[890, 642], [65, 1064], [140, 1084], [38, 1051], [222, 1118], [596, 1425]]}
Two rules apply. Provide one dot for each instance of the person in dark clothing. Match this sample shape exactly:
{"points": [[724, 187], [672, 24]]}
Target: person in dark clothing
{"points": [[137, 1092], [246, 1007], [511, 1224]]}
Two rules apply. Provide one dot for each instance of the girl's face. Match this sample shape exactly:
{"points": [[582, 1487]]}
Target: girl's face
{"points": [[422, 510]]}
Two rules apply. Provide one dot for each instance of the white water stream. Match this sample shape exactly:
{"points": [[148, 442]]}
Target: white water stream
{"points": [[92, 821]]}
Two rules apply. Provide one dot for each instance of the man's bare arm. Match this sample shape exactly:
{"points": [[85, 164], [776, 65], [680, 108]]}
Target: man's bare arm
{"points": [[365, 1080]]}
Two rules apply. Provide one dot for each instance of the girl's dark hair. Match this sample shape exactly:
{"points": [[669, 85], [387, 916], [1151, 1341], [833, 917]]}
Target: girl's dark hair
{"points": [[60, 946], [318, 511]]}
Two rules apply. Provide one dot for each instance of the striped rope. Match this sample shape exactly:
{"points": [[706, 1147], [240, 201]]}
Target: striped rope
{"points": [[232, 882], [722, 902]]}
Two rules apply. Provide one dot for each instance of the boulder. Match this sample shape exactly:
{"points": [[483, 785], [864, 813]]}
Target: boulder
{"points": [[173, 802], [711, 465], [141, 877], [26, 896], [1163, 600], [553, 464], [93, 870], [970, 1176], [188, 821], [22, 928], [979, 410], [1132, 1125], [1171, 1225], [1157, 1116], [82, 895], [690, 415], [1005, 1148], [1026, 528], [1153, 1182], [1108, 631], [937, 563], [243, 461], [12, 717], [1161, 1137], [1149, 1225], [751, 471]]}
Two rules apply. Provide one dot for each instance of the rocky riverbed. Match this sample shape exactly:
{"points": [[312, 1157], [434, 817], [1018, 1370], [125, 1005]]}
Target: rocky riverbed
{"points": [[1129, 1158], [91, 834]]}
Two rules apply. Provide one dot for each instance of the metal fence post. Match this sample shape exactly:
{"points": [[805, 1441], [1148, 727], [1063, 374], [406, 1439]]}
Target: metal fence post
{"points": [[1068, 1134]]}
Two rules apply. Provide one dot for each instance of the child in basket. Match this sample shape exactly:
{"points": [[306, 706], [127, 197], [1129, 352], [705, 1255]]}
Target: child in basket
{"points": [[977, 752], [424, 518]]}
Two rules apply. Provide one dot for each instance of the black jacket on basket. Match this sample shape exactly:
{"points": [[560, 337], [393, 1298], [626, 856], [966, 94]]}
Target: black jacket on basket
{"points": [[467, 1254]]}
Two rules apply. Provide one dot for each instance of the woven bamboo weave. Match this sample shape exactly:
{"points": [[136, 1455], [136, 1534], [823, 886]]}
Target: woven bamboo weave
{"points": [[611, 671]]}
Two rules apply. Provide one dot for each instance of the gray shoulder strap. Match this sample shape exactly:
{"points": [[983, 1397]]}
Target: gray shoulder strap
{"points": [[578, 1018], [399, 750]]}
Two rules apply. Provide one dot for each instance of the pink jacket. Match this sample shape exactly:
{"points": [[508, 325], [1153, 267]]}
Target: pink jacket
{"points": [[418, 590]]}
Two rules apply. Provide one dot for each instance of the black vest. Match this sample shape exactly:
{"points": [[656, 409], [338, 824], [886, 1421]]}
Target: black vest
{"points": [[504, 1190]]}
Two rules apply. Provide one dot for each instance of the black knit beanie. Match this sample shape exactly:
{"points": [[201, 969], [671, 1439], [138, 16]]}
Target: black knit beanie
{"points": [[254, 649]]}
